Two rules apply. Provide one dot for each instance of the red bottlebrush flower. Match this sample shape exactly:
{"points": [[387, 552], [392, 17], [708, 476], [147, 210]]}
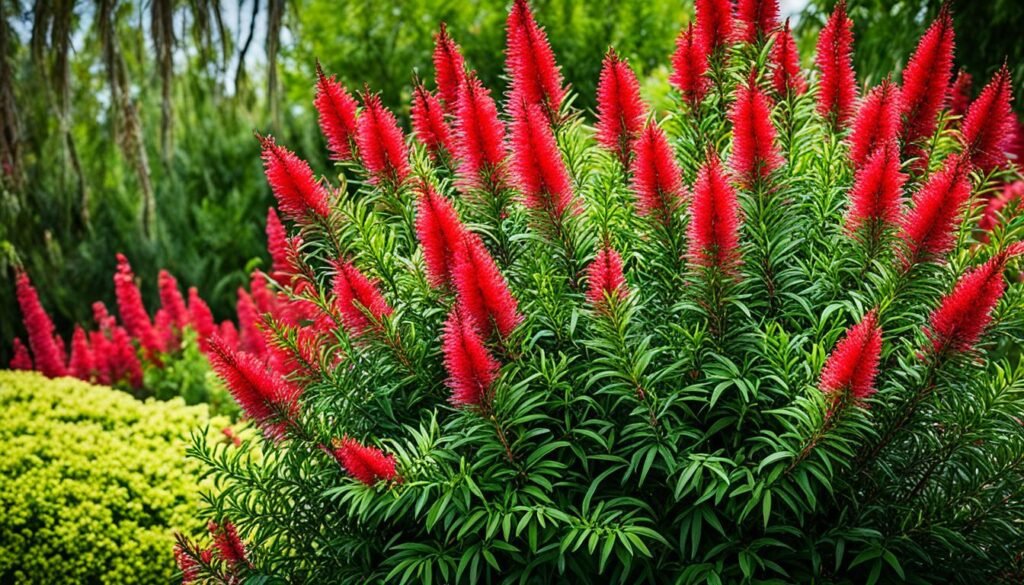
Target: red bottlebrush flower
{"points": [[714, 23], [539, 170], [381, 143], [689, 64], [292, 182], [928, 226], [926, 79], [604, 277], [133, 312], [960, 93], [81, 363], [49, 359], [479, 138], [104, 320], [439, 233], [620, 110], [102, 353], [657, 178], [171, 299], [228, 334], [191, 569], [250, 336], [365, 464], [354, 294], [990, 217], [785, 60], [530, 62], [837, 90], [754, 153], [471, 368], [428, 123], [277, 245], [714, 222], [337, 112], [124, 362], [200, 317], [449, 69], [262, 297], [481, 289], [21, 359], [853, 364], [988, 129], [229, 545], [877, 123], [264, 396], [757, 18], [302, 358], [877, 190]]}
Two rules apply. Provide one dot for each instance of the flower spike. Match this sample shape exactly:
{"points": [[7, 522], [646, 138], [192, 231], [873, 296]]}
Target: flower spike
{"points": [[481, 289], [354, 294], [853, 364], [538, 167], [989, 126], [714, 222], [754, 152], [714, 23], [49, 360], [449, 69], [133, 312], [338, 114], [536, 78], [381, 143], [471, 368], [365, 464], [928, 226], [657, 178], [837, 89], [605, 278], [439, 232], [292, 181], [757, 18], [926, 79], [171, 299], [21, 359], [229, 545], [785, 60], [877, 190], [689, 64], [960, 93], [81, 364], [877, 123], [429, 124], [620, 110], [479, 138]]}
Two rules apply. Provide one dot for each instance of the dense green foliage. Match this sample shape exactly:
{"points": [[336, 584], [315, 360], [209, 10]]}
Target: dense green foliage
{"points": [[93, 484], [679, 434]]}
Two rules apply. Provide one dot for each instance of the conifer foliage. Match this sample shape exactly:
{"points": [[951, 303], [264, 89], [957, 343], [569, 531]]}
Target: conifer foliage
{"points": [[759, 338]]}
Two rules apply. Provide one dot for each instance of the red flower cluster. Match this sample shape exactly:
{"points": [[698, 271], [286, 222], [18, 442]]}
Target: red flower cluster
{"points": [[714, 23], [926, 79], [620, 110], [428, 123], [49, 358], [714, 219], [471, 368], [337, 112], [449, 69], [758, 18], [537, 163], [877, 123], [481, 289], [785, 61], [928, 226], [479, 138], [877, 190], [439, 233], [292, 181], [689, 64], [754, 152], [964, 314], [228, 544], [536, 79], [853, 364], [837, 91], [605, 278], [657, 179], [988, 128], [365, 464], [381, 143], [358, 299]]}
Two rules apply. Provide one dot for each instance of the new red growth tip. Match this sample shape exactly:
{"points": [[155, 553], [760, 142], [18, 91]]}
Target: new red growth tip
{"points": [[365, 464], [439, 233], [853, 364], [620, 110], [837, 88], [355, 296], [290, 178], [689, 64], [482, 291], [381, 143], [530, 63], [49, 359], [714, 222], [877, 123], [471, 368], [337, 112], [988, 129], [657, 178], [754, 153], [605, 278]]}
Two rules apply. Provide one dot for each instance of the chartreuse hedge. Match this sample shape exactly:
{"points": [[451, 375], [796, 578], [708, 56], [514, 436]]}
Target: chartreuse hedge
{"points": [[93, 483]]}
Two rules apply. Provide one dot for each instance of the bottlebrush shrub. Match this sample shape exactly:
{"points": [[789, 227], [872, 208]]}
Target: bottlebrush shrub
{"points": [[693, 346], [93, 483]]}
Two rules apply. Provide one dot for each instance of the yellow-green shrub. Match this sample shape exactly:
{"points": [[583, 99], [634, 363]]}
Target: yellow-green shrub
{"points": [[93, 483]]}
